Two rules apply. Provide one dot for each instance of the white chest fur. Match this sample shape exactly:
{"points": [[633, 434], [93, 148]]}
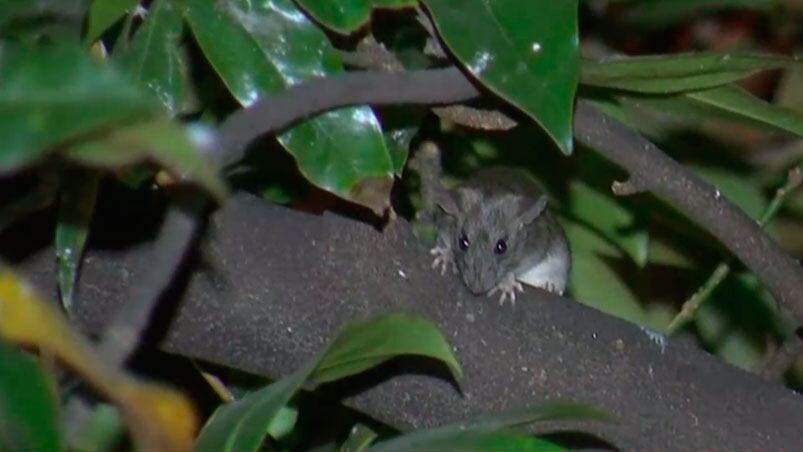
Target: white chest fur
{"points": [[550, 274]]}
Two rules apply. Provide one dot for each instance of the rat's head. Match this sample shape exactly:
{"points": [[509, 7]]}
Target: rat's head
{"points": [[490, 234]]}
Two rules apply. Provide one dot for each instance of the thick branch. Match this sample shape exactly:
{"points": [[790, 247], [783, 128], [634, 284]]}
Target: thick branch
{"points": [[701, 202], [282, 282], [647, 164], [274, 285]]}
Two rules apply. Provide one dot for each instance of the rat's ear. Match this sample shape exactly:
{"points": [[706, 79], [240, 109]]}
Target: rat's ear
{"points": [[468, 197], [457, 202], [532, 210], [445, 200]]}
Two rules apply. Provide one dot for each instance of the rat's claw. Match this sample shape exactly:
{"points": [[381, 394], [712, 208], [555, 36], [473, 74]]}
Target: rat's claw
{"points": [[508, 288], [443, 259], [551, 287]]}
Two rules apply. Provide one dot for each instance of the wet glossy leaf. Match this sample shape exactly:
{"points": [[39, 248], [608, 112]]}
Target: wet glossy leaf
{"points": [[398, 142], [738, 103], [679, 72], [166, 142], [264, 46], [478, 434], [103, 14], [77, 206], [369, 343], [401, 126], [526, 52], [667, 12], [57, 93], [610, 219], [154, 57], [242, 425], [347, 16], [27, 403], [158, 418]]}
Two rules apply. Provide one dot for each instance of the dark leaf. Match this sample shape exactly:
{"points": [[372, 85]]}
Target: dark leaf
{"points": [[526, 52]]}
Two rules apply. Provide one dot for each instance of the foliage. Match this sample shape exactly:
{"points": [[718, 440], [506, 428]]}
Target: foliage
{"points": [[129, 93]]}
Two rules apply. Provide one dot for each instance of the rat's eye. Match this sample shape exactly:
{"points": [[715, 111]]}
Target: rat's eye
{"points": [[463, 242], [501, 247]]}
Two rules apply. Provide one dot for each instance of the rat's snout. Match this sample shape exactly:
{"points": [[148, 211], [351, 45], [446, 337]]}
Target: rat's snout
{"points": [[476, 289], [476, 282]]}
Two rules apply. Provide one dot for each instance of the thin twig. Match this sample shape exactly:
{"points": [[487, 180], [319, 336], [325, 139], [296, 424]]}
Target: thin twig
{"points": [[699, 201], [722, 271]]}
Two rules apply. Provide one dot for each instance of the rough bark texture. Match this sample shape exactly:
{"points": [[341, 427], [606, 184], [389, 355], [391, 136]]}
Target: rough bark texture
{"points": [[273, 285]]}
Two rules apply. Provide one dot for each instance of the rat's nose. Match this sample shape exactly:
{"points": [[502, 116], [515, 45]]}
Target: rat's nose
{"points": [[475, 284]]}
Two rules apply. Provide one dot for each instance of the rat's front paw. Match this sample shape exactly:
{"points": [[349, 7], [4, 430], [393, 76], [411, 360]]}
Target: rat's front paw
{"points": [[508, 288], [444, 258]]}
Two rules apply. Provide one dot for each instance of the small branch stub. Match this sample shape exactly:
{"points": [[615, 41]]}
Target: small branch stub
{"points": [[626, 188]]}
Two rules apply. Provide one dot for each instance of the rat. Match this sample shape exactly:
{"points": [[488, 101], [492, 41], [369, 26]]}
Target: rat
{"points": [[495, 230]]}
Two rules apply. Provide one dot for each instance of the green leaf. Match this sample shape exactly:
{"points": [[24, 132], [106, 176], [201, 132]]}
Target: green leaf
{"points": [[348, 16], [526, 52], [76, 209], [154, 57], [40, 14], [735, 322], [666, 253], [738, 103], [469, 435], [592, 280], [371, 342], [398, 142], [103, 429], [666, 74], [103, 14], [610, 219], [27, 404], [360, 437], [668, 12], [166, 142], [596, 284], [739, 189], [263, 46], [481, 442], [242, 425], [401, 125], [283, 423], [53, 94]]}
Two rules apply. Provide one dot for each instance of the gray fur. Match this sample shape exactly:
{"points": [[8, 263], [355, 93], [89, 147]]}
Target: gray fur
{"points": [[502, 203]]}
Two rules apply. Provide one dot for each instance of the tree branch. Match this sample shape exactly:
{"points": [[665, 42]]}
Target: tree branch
{"points": [[275, 313], [649, 168], [701, 202], [274, 285]]}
